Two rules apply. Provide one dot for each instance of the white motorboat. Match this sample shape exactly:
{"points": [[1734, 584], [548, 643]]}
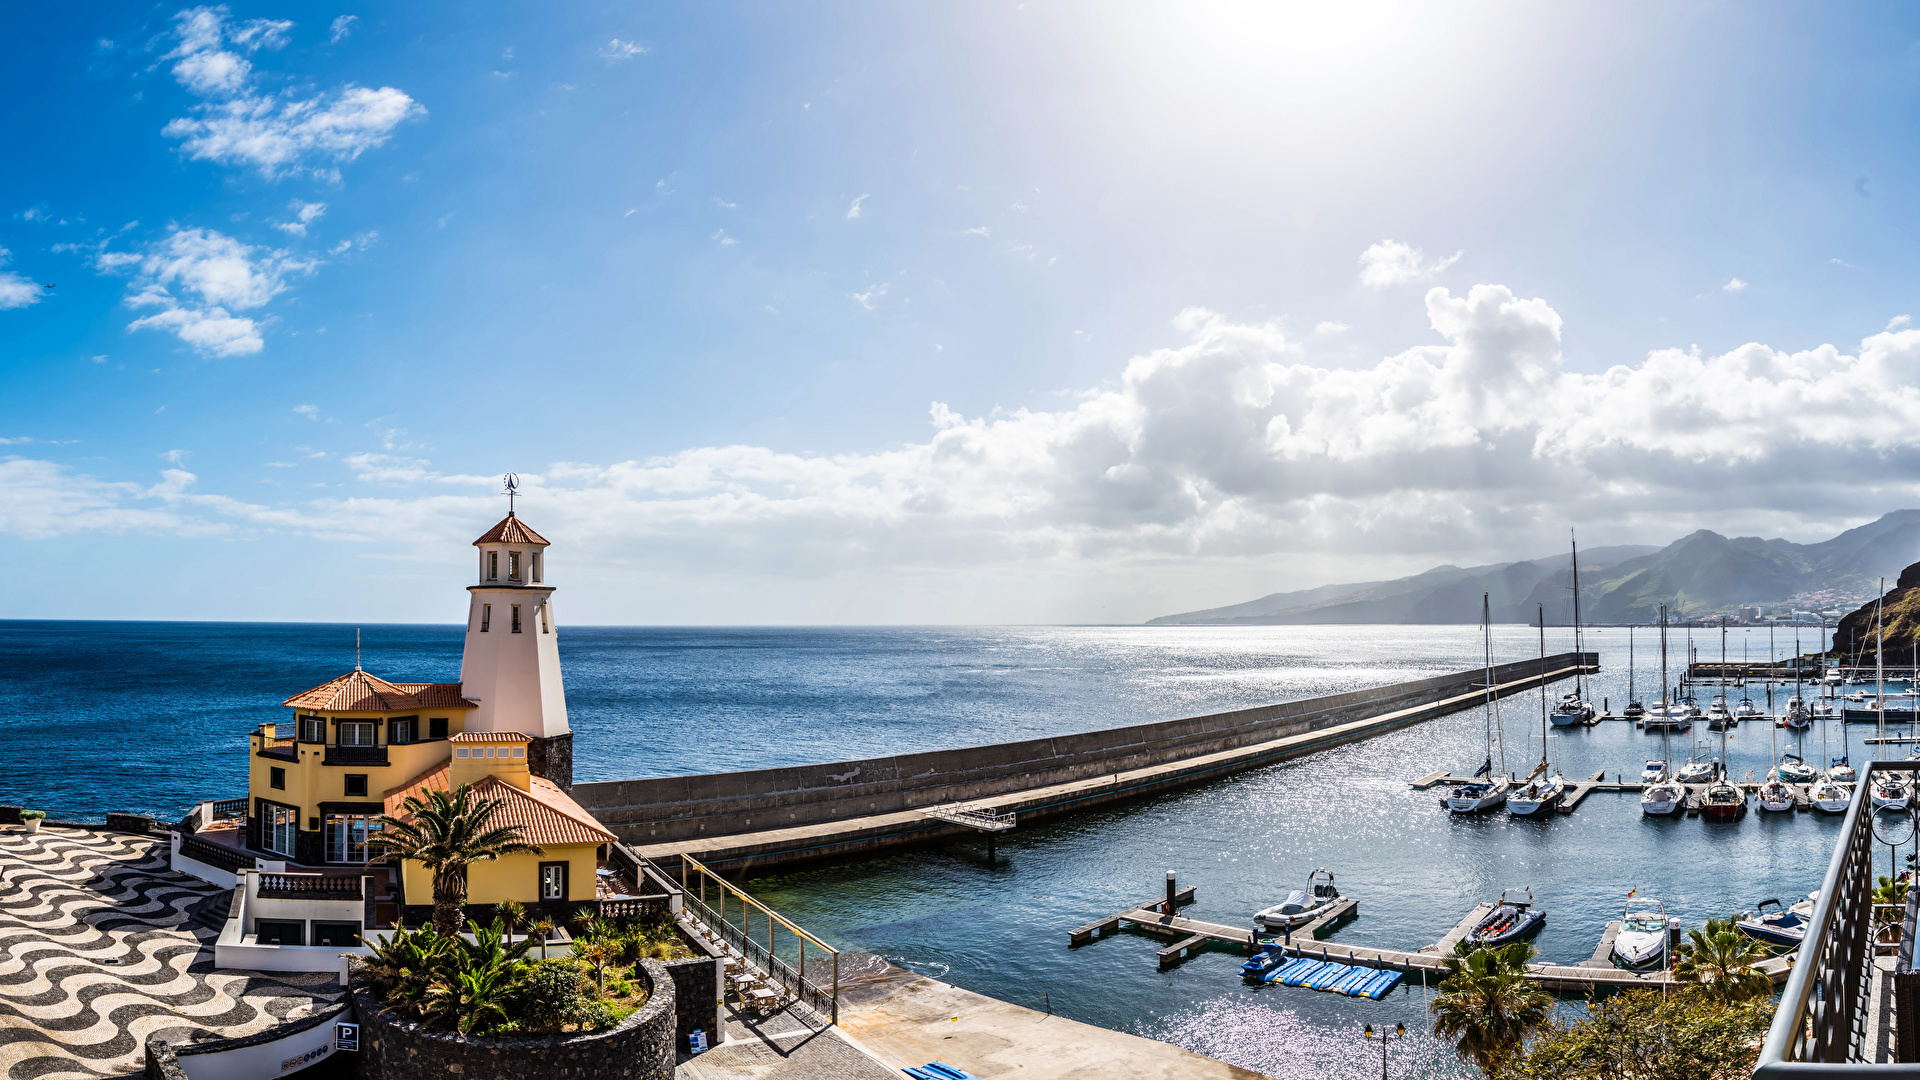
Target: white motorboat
{"points": [[1654, 773], [1833, 676], [1662, 798], [1302, 906], [1775, 795], [1719, 717], [1642, 940], [1538, 795], [1891, 793], [1829, 797]]}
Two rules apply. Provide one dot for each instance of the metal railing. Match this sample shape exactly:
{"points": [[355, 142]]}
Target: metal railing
{"points": [[1824, 1022], [355, 755], [822, 1000], [215, 855], [228, 809]]}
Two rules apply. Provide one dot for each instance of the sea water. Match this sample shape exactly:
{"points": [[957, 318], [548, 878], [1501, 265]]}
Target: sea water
{"points": [[153, 716]]}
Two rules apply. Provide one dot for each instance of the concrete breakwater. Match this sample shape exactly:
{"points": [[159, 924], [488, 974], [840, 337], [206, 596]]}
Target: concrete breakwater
{"points": [[763, 817]]}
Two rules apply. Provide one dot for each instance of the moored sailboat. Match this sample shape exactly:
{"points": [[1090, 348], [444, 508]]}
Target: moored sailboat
{"points": [[1544, 786], [1486, 790]]}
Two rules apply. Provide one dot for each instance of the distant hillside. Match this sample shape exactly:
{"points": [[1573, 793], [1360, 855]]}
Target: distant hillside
{"points": [[1899, 621], [1694, 575]]}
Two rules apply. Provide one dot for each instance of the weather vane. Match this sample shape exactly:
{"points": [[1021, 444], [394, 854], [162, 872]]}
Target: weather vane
{"points": [[511, 483]]}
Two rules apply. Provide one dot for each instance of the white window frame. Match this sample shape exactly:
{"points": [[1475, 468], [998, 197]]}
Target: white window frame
{"points": [[277, 819], [369, 727], [346, 837]]}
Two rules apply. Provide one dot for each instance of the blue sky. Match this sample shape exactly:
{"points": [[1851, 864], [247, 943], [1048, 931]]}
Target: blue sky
{"points": [[921, 313]]}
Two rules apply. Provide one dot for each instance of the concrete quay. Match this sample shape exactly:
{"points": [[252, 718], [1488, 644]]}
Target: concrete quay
{"points": [[767, 817]]}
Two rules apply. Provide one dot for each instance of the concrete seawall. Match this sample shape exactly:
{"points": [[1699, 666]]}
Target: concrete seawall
{"points": [[764, 817]]}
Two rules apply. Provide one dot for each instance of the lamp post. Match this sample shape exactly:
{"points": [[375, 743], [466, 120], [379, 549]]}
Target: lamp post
{"points": [[1399, 1032]]}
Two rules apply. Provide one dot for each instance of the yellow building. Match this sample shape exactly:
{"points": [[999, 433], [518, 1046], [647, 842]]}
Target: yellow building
{"points": [[358, 745]]}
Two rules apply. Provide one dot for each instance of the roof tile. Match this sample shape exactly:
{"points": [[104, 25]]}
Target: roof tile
{"points": [[510, 531], [544, 815]]}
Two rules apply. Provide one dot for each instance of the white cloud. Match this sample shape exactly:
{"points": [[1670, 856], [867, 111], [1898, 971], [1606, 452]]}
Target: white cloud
{"points": [[237, 124], [853, 211], [305, 214], [622, 50], [720, 237], [341, 27], [1225, 453], [1391, 262], [1899, 321], [311, 412], [178, 457], [866, 299], [17, 292], [356, 242], [1734, 285], [1331, 329], [978, 230], [215, 273]]}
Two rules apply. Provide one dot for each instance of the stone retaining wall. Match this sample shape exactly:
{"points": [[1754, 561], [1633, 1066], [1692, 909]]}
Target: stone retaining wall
{"points": [[640, 1048], [678, 808]]}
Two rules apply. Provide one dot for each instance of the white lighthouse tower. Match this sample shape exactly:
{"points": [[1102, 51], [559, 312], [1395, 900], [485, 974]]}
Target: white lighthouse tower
{"points": [[511, 664]]}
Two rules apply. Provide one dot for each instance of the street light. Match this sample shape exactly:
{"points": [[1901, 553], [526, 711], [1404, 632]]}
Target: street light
{"points": [[1399, 1032]]}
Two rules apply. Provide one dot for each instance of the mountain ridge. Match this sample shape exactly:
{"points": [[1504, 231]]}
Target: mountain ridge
{"points": [[1694, 576]]}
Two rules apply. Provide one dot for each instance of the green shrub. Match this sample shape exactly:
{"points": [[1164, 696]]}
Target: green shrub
{"points": [[553, 994], [1687, 1034], [32, 815]]}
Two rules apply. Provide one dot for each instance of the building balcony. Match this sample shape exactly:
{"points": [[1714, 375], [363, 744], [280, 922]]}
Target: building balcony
{"points": [[355, 755], [274, 747]]}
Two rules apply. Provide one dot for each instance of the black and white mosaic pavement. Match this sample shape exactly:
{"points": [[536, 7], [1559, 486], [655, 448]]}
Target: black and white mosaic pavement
{"points": [[100, 950]]}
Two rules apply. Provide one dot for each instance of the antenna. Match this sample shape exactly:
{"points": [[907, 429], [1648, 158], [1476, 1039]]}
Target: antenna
{"points": [[510, 485], [356, 648]]}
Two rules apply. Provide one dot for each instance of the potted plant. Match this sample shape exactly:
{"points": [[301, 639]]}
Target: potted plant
{"points": [[31, 819]]}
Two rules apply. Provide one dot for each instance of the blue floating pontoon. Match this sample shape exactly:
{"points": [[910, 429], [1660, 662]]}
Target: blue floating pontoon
{"points": [[939, 1070], [1350, 985], [1380, 985], [1280, 973], [1329, 974], [1300, 974]]}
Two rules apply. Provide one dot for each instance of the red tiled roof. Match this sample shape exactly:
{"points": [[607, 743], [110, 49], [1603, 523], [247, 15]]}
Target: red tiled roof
{"points": [[510, 531], [545, 815], [491, 736], [358, 691]]}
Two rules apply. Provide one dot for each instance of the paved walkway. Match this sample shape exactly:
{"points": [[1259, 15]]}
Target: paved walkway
{"points": [[98, 953]]}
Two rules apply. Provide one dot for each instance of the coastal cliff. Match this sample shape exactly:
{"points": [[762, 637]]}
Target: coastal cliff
{"points": [[1853, 639]]}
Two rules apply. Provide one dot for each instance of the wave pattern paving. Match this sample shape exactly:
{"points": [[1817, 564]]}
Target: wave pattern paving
{"points": [[99, 952]]}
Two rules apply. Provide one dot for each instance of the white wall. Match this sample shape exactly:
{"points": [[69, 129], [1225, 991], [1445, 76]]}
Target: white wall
{"points": [[212, 875], [264, 1060]]}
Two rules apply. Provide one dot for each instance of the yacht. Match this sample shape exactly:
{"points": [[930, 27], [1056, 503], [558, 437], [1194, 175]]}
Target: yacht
{"points": [[1723, 800], [1662, 798], [1508, 922], [1747, 710], [1719, 717], [1828, 796], [1798, 717], [1697, 772], [1642, 940], [1792, 770], [1486, 790], [1302, 906], [1891, 793], [1572, 711], [1774, 795], [1842, 773], [1654, 773], [1781, 926], [1833, 676], [1538, 795]]}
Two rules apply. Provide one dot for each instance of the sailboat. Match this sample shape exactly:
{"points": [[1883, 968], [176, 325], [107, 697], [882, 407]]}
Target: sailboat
{"points": [[1574, 709], [1888, 792], [1486, 790], [1544, 786], [1723, 799], [1635, 711], [1776, 793], [1799, 716], [1695, 771]]}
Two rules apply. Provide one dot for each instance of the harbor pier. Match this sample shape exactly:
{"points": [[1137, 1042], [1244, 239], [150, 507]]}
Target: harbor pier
{"points": [[767, 817]]}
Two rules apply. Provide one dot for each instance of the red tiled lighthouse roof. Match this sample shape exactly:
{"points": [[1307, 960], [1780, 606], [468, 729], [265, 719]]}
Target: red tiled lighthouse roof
{"points": [[510, 531]]}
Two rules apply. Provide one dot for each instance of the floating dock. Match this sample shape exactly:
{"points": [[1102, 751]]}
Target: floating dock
{"points": [[1595, 973]]}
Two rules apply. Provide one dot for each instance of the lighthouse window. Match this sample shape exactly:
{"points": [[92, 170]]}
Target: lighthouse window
{"points": [[543, 619], [513, 566], [486, 617], [535, 567], [516, 618], [493, 566]]}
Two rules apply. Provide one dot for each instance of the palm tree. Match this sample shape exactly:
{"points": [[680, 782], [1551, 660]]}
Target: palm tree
{"points": [[1487, 1006], [544, 928], [510, 912], [479, 979], [447, 832], [1723, 960]]}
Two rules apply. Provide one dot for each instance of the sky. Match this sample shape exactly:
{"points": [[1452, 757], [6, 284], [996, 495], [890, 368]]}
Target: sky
{"points": [[904, 313]]}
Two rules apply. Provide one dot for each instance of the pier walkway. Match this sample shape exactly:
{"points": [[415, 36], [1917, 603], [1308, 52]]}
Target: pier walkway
{"points": [[1429, 962], [762, 818]]}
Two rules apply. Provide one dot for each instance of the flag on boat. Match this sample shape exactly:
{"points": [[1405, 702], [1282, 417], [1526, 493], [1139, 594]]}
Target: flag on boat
{"points": [[1631, 893], [1485, 769]]}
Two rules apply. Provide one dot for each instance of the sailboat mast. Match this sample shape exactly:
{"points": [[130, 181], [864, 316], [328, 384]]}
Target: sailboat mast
{"points": [[1630, 696], [1543, 680], [1879, 676], [1666, 726], [1579, 660]]}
